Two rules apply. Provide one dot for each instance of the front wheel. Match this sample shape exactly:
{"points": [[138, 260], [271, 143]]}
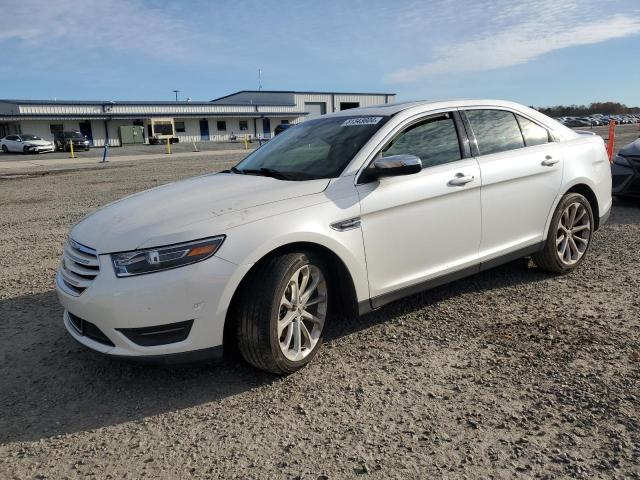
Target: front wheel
{"points": [[282, 313], [569, 235], [5, 149]]}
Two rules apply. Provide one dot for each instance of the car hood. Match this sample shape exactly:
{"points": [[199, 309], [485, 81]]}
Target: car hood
{"points": [[186, 210], [631, 150], [40, 143]]}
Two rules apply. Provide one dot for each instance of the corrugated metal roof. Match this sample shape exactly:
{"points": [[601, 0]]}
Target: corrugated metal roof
{"points": [[302, 92], [127, 102], [120, 116]]}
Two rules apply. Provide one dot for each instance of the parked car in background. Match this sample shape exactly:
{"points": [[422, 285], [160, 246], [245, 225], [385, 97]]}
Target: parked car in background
{"points": [[25, 143], [64, 139], [340, 215], [625, 171], [577, 122], [281, 128]]}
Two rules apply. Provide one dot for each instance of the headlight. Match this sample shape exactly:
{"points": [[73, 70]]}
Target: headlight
{"points": [[151, 260]]}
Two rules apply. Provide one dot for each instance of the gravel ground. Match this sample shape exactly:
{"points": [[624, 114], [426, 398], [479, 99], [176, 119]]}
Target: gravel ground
{"points": [[128, 150], [513, 373], [624, 134]]}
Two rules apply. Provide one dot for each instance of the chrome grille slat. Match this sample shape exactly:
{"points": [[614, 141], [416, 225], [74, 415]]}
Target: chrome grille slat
{"points": [[74, 279], [80, 257], [80, 269], [80, 266]]}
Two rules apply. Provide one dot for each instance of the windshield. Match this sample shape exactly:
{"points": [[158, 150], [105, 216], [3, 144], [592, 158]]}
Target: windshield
{"points": [[320, 148], [30, 137], [73, 135]]}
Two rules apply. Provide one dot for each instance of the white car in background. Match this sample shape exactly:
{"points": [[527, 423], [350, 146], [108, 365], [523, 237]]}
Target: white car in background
{"points": [[336, 216], [25, 143]]}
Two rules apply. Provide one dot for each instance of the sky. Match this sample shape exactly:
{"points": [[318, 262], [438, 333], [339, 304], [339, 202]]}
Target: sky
{"points": [[536, 52]]}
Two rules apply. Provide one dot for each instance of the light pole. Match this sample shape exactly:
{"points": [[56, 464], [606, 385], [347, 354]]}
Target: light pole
{"points": [[176, 92]]}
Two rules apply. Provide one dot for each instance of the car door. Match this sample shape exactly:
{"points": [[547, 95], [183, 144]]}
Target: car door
{"points": [[12, 143], [422, 226], [521, 168]]}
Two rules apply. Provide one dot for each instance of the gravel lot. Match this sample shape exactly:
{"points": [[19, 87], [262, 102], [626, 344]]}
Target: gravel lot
{"points": [[510, 373], [128, 150]]}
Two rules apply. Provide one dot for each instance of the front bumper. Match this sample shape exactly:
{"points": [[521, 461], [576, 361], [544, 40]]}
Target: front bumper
{"points": [[40, 149], [199, 293]]}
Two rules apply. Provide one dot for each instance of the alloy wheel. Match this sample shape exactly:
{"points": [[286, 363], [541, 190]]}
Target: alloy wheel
{"points": [[573, 233], [302, 312]]}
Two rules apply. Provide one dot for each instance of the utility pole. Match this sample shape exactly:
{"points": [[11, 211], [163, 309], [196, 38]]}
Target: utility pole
{"points": [[176, 92], [259, 79]]}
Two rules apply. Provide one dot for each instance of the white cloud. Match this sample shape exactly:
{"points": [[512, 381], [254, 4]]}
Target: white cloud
{"points": [[520, 34], [94, 25]]}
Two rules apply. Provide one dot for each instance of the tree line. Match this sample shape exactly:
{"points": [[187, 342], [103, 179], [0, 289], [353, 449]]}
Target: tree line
{"points": [[610, 108]]}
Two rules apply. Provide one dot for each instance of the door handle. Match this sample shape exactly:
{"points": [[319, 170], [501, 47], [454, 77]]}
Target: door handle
{"points": [[461, 179], [549, 161]]}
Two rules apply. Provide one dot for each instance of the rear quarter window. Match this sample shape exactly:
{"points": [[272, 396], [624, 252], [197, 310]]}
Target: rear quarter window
{"points": [[533, 133]]}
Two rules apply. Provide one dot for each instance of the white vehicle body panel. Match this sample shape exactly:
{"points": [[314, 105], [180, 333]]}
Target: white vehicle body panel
{"points": [[413, 229], [438, 223]]}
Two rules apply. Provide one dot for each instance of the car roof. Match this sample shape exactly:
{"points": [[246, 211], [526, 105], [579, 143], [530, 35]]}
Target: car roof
{"points": [[393, 108]]}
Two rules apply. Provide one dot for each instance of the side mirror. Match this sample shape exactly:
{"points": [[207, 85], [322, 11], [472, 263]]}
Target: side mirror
{"points": [[18, 140], [394, 166]]}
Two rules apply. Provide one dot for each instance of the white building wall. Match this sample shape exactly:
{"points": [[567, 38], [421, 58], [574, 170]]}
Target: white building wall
{"points": [[192, 125], [192, 130]]}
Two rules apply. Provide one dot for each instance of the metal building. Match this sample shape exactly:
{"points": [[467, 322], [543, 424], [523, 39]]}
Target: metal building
{"points": [[253, 113]]}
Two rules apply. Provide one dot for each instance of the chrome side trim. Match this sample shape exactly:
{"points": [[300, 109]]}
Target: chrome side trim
{"points": [[345, 225]]}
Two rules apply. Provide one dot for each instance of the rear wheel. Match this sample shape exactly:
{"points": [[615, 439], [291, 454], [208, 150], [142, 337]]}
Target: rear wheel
{"points": [[282, 312], [569, 235], [5, 149]]}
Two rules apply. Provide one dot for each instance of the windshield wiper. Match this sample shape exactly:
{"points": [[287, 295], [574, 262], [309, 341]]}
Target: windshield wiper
{"points": [[236, 170], [267, 172]]}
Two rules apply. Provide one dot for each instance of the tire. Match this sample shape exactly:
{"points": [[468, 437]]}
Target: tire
{"points": [[5, 149], [568, 240], [262, 308]]}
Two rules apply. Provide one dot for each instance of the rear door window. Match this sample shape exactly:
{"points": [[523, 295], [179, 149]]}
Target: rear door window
{"points": [[533, 133], [495, 130]]}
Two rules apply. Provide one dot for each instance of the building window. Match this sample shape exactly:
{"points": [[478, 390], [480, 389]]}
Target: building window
{"points": [[284, 122], [56, 128], [244, 125], [221, 125], [348, 105], [180, 127]]}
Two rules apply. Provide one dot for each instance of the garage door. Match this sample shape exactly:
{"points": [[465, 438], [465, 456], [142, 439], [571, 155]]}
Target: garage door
{"points": [[315, 109]]}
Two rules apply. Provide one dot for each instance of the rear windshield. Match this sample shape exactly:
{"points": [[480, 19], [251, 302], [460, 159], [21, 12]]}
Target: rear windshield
{"points": [[319, 148]]}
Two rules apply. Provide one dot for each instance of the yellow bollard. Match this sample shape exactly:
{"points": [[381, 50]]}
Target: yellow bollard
{"points": [[168, 147], [71, 149], [246, 144]]}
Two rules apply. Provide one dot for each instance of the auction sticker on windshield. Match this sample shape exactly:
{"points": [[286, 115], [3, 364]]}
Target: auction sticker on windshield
{"points": [[352, 122]]}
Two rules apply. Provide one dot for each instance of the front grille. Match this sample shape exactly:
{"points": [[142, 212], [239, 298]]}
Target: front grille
{"points": [[89, 330], [80, 266]]}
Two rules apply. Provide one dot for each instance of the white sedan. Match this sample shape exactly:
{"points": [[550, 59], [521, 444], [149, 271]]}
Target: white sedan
{"points": [[25, 143], [336, 216]]}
